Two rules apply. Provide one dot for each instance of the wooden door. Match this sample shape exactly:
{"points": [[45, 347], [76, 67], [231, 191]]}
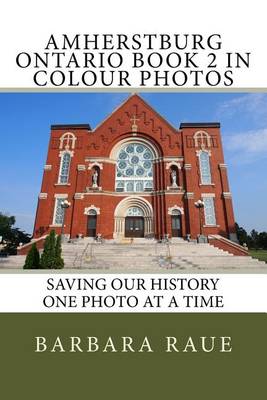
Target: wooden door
{"points": [[91, 226], [176, 226], [134, 227]]}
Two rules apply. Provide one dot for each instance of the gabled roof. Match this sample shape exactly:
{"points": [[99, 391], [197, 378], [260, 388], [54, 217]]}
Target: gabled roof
{"points": [[133, 98]]}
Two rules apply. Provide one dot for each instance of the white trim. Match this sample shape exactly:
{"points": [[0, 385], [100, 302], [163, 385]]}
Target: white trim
{"points": [[92, 207], [208, 195], [61, 195], [95, 164], [171, 163], [196, 138], [42, 196], [127, 194], [223, 166], [73, 140], [47, 167], [78, 196], [174, 189], [227, 195], [81, 167], [189, 195], [100, 159], [174, 159], [171, 209], [187, 166]]}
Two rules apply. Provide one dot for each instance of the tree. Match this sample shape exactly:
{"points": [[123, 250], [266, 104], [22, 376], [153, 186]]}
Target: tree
{"points": [[51, 256], [255, 238], [48, 255], [12, 236], [242, 235], [33, 258], [262, 240], [59, 262]]}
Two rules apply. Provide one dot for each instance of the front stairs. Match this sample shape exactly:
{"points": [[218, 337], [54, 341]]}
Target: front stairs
{"points": [[147, 256]]}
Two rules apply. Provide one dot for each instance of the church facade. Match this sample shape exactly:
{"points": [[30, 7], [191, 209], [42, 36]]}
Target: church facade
{"points": [[133, 176]]}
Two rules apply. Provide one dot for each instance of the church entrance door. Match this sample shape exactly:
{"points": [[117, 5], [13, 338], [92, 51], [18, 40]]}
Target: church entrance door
{"points": [[176, 226], [91, 226], [134, 227]]}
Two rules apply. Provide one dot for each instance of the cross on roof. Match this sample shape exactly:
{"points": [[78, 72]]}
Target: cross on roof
{"points": [[134, 119]]}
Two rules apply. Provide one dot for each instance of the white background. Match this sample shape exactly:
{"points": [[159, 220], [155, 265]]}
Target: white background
{"points": [[27, 25], [26, 293]]}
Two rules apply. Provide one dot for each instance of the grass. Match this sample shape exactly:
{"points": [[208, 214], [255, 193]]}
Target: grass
{"points": [[259, 254]]}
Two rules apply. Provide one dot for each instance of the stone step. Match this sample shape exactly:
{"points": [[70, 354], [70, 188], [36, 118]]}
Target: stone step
{"points": [[146, 256]]}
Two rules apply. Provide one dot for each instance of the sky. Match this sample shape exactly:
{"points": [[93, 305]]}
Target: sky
{"points": [[25, 120]]}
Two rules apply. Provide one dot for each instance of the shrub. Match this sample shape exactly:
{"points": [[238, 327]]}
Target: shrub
{"points": [[59, 262], [51, 256], [33, 258]]}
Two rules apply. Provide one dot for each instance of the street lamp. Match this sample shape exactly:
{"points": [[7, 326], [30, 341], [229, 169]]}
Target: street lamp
{"points": [[64, 205], [200, 205]]}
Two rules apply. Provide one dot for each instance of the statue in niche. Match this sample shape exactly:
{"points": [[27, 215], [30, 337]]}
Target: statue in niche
{"points": [[174, 178], [95, 179]]}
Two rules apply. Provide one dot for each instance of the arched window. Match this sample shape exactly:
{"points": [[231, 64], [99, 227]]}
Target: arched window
{"points": [[134, 168], [91, 223], [209, 211], [135, 212], [176, 212], [202, 139], [67, 141], [58, 212], [64, 168], [92, 212], [204, 165], [176, 223]]}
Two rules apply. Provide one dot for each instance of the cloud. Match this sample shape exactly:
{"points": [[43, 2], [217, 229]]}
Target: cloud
{"points": [[253, 105], [247, 147]]}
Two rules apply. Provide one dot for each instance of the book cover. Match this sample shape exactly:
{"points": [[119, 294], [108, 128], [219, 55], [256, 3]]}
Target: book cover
{"points": [[133, 242]]}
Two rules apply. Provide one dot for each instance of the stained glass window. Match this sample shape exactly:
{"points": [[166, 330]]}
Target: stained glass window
{"points": [[205, 167], [64, 168], [135, 212], [92, 212], [134, 168], [176, 212], [59, 212], [209, 211]]}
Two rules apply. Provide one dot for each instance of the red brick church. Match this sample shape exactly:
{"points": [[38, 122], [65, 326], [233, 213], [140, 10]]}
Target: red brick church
{"points": [[135, 175]]}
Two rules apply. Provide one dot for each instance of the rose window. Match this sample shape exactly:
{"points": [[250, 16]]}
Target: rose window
{"points": [[134, 168]]}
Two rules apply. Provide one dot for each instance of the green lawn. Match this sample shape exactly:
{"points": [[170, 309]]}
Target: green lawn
{"points": [[259, 254]]}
